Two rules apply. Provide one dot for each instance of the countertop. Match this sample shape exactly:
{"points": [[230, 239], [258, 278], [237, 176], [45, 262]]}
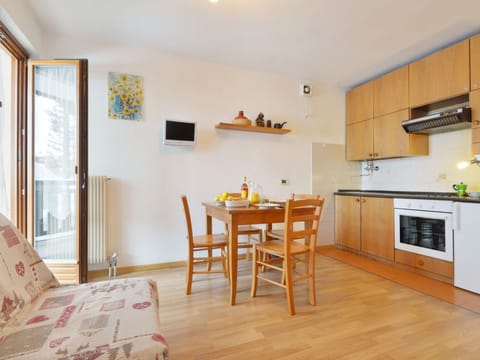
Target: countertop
{"points": [[451, 196]]}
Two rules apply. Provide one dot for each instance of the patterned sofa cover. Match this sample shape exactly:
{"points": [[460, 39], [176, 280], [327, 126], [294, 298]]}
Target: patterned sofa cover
{"points": [[39, 319]]}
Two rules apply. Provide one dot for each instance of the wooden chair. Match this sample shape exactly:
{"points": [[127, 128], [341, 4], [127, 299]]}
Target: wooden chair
{"points": [[204, 243], [252, 232], [278, 233], [282, 252]]}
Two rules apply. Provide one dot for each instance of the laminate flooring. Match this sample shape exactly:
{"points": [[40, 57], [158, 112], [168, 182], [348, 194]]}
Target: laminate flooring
{"points": [[363, 312]]}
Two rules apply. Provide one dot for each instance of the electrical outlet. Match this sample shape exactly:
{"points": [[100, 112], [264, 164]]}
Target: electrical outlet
{"points": [[284, 181], [305, 90]]}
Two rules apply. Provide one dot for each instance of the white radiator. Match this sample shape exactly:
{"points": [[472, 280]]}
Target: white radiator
{"points": [[97, 211]]}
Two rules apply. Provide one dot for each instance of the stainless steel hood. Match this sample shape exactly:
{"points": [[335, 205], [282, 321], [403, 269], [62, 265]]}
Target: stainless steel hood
{"points": [[449, 120]]}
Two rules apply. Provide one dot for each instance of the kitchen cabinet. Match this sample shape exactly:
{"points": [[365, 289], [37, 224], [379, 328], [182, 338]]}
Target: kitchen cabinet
{"points": [[359, 103], [347, 221], [391, 92], [359, 140], [377, 227], [475, 62], [391, 140], [432, 266], [383, 137], [475, 105], [365, 224], [441, 75]]}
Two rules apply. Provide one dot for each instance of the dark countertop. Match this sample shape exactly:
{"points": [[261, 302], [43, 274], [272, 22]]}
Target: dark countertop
{"points": [[451, 196]]}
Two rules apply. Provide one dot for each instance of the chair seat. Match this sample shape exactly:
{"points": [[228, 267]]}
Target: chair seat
{"points": [[248, 229], [276, 233], [210, 240], [276, 247]]}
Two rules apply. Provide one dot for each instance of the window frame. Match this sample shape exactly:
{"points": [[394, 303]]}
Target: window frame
{"points": [[19, 96]]}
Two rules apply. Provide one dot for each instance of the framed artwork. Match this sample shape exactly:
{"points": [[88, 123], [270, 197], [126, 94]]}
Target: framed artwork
{"points": [[125, 96]]}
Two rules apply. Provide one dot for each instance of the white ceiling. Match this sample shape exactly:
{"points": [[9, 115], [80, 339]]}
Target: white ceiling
{"points": [[337, 42]]}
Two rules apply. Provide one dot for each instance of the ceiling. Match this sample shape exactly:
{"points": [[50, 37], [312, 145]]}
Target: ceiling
{"points": [[332, 42]]}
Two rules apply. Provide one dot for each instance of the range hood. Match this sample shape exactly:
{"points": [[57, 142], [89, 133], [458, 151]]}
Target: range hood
{"points": [[449, 120]]}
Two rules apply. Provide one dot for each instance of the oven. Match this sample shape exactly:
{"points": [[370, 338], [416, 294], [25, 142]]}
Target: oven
{"points": [[424, 227]]}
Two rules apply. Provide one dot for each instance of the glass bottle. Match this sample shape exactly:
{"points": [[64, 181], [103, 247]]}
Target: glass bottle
{"points": [[244, 189]]}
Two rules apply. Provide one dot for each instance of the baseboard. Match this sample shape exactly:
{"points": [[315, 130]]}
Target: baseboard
{"points": [[102, 273]]}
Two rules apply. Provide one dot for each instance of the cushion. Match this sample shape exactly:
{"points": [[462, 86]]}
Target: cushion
{"points": [[23, 274]]}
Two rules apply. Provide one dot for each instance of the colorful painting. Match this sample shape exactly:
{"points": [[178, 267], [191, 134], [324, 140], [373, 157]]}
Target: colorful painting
{"points": [[125, 96]]}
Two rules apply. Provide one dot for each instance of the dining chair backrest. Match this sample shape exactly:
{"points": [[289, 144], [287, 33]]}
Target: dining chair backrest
{"points": [[188, 220], [304, 196], [307, 212]]}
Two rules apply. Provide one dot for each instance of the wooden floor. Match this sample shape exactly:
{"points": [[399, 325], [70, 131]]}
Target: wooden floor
{"points": [[363, 312]]}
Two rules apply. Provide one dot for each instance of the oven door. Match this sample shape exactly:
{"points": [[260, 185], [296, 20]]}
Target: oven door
{"points": [[424, 232]]}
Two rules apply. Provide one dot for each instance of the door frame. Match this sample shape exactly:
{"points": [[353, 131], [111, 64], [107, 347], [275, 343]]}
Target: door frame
{"points": [[65, 272]]}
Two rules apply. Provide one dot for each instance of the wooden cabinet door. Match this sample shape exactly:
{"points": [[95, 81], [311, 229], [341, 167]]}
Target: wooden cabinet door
{"points": [[359, 140], [347, 221], [441, 75], [391, 92], [359, 103], [391, 140], [475, 62], [377, 227], [475, 105]]}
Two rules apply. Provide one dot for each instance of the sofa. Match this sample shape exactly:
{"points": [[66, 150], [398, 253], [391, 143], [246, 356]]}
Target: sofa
{"points": [[39, 319]]}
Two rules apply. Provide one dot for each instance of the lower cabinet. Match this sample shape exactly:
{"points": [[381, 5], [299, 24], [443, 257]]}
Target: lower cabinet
{"points": [[425, 263], [365, 224]]}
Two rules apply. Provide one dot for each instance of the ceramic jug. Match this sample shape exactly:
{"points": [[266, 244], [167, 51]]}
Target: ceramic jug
{"points": [[461, 189]]}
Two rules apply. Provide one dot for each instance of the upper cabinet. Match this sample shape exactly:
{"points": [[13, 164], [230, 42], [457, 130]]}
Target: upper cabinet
{"points": [[441, 75], [475, 105], [383, 137], [391, 92], [390, 140], [359, 140], [378, 134], [360, 103], [475, 62]]}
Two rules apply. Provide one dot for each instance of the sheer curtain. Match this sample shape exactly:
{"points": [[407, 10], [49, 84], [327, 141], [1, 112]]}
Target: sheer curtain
{"points": [[55, 118], [6, 134]]}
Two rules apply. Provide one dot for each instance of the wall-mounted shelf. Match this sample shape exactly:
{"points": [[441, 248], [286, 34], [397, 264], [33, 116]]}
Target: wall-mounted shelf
{"points": [[235, 127]]}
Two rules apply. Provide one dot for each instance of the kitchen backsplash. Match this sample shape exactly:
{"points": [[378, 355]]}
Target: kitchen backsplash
{"points": [[435, 172]]}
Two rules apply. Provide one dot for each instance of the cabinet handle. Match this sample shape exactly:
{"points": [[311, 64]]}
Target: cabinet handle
{"points": [[357, 200], [476, 122], [420, 262], [363, 200]]}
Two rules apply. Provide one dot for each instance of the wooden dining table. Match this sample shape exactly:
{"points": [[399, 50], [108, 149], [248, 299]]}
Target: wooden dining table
{"points": [[239, 216]]}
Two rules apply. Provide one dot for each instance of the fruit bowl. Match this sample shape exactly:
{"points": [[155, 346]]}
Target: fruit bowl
{"points": [[219, 203], [236, 203]]}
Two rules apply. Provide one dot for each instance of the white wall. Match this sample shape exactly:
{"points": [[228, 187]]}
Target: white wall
{"points": [[145, 221], [436, 172], [19, 18]]}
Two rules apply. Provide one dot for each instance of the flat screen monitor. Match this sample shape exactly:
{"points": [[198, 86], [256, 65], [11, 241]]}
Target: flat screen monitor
{"points": [[179, 132]]}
